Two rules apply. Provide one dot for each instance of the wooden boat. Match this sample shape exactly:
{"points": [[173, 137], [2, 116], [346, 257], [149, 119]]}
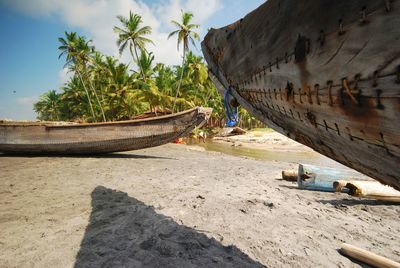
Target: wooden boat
{"points": [[93, 138], [324, 73]]}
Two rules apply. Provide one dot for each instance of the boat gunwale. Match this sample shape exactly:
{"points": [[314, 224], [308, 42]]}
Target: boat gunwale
{"points": [[100, 124]]}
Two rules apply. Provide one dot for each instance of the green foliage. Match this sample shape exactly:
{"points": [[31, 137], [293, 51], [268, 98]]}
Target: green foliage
{"points": [[102, 88], [48, 106], [133, 35], [186, 34], [185, 31]]}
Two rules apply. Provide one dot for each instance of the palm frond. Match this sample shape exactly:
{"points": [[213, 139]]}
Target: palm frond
{"points": [[173, 33], [193, 42], [177, 24], [144, 30], [193, 26], [122, 47], [195, 35]]}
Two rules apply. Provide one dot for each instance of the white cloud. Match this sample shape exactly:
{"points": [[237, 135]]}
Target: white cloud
{"points": [[97, 18], [64, 75], [18, 108], [203, 9], [27, 101]]}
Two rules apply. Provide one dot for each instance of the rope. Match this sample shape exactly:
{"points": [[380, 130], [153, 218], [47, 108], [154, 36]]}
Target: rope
{"points": [[231, 112], [348, 91]]}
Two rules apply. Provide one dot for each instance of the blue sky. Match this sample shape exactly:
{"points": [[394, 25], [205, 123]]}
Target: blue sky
{"points": [[29, 31]]}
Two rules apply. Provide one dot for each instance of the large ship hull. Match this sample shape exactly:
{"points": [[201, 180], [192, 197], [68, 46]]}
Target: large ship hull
{"points": [[324, 73]]}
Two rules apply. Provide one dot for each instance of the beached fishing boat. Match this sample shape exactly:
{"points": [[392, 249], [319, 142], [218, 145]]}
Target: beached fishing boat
{"points": [[324, 73], [90, 138]]}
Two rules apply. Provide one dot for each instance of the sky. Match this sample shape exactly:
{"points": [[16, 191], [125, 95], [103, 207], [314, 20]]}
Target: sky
{"points": [[29, 30]]}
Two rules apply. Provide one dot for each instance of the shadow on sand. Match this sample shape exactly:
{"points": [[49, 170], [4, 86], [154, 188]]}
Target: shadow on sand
{"points": [[110, 156], [355, 202], [124, 232]]}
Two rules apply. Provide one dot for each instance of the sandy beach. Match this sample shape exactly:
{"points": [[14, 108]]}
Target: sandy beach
{"points": [[179, 206], [267, 139]]}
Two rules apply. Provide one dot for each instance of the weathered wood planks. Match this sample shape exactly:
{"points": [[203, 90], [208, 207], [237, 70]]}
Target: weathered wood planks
{"points": [[93, 138], [326, 74]]}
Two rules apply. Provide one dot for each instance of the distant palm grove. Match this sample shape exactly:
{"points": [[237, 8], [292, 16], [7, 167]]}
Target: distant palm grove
{"points": [[103, 89]]}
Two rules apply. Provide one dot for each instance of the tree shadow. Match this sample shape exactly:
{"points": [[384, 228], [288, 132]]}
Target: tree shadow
{"points": [[292, 187], [125, 232], [355, 202], [107, 156]]}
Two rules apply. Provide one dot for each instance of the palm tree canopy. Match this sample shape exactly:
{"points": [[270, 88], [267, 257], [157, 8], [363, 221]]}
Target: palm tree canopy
{"points": [[146, 61], [101, 83], [185, 34], [185, 31], [132, 33], [48, 106], [75, 48]]}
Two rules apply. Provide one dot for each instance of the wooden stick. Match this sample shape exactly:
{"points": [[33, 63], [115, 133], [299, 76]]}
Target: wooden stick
{"points": [[366, 188], [339, 185], [373, 189], [291, 175], [367, 257]]}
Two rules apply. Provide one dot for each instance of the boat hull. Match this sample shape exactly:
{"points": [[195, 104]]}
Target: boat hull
{"points": [[324, 73], [48, 138]]}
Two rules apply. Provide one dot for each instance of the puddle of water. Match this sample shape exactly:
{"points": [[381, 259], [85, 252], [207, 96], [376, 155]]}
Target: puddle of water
{"points": [[309, 157]]}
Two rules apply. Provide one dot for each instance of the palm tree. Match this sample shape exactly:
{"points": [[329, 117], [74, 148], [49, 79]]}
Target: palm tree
{"points": [[196, 68], [124, 93], [164, 78], [74, 99], [71, 47], [98, 73], [47, 107], [185, 35], [133, 34], [121, 90], [78, 52], [146, 61], [86, 52]]}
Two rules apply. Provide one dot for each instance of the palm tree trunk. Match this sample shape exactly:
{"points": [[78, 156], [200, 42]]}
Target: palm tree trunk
{"points": [[137, 61], [55, 112], [98, 101], [95, 93], [87, 94], [97, 98], [180, 80]]}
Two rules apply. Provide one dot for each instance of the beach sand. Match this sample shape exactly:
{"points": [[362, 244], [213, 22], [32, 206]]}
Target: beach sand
{"points": [[265, 140], [179, 206]]}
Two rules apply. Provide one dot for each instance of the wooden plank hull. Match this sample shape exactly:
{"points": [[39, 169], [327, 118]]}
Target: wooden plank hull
{"points": [[324, 73], [110, 137]]}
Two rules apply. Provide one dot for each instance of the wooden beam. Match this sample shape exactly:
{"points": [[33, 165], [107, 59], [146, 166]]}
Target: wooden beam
{"points": [[367, 257]]}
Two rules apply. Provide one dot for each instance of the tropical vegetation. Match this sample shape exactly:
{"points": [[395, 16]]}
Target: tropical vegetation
{"points": [[101, 88]]}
